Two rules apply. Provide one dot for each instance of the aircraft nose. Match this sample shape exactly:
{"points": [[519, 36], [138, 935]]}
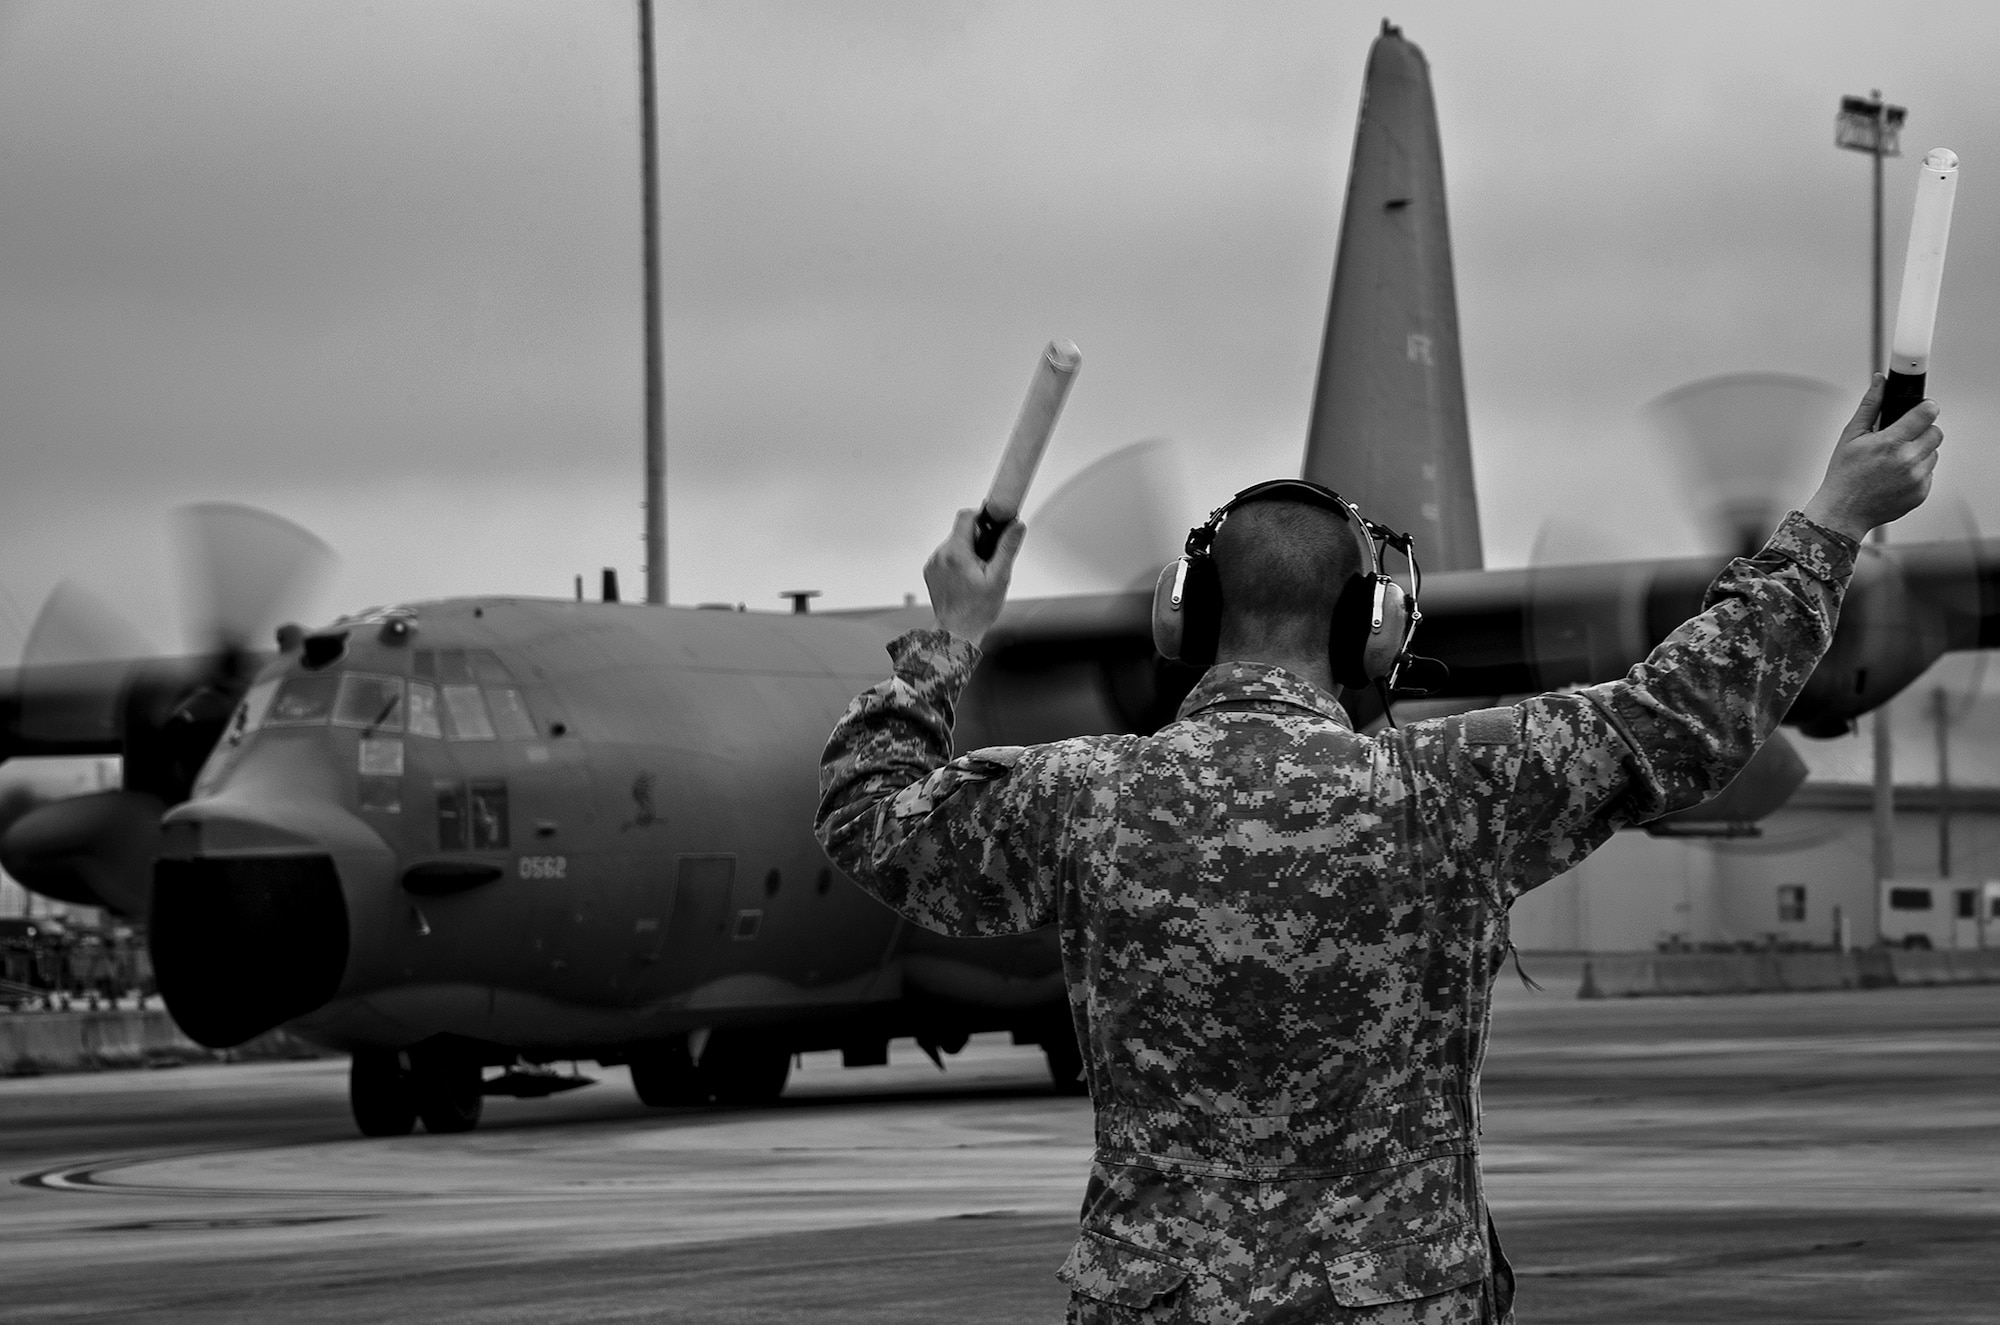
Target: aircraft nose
{"points": [[247, 937]]}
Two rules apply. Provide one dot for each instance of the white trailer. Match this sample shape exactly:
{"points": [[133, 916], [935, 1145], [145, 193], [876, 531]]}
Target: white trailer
{"points": [[1940, 913]]}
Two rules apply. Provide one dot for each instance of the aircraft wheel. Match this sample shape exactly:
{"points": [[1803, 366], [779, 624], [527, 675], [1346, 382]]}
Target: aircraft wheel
{"points": [[744, 1070], [447, 1091], [1065, 1062], [380, 1093], [665, 1076]]}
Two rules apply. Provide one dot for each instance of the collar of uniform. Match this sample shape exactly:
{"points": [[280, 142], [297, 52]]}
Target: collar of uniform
{"points": [[1260, 683]]}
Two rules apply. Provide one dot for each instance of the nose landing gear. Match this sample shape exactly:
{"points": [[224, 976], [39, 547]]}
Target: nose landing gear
{"points": [[389, 1089], [736, 1068]]}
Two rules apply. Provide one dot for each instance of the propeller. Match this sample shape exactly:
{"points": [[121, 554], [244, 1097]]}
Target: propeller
{"points": [[89, 683], [1750, 446], [242, 569], [1119, 519]]}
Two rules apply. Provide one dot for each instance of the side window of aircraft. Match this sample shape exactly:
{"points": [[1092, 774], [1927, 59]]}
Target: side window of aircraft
{"points": [[452, 668], [465, 714], [303, 700], [369, 701], [489, 815], [510, 715], [472, 816], [424, 710]]}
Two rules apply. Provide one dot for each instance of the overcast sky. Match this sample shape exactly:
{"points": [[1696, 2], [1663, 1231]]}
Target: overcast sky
{"points": [[376, 266]]}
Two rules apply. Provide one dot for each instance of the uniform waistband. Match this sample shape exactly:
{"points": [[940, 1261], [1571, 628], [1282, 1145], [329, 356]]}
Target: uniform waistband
{"points": [[1289, 1145]]}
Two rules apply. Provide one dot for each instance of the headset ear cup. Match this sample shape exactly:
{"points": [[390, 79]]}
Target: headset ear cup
{"points": [[1348, 637], [1169, 625], [1201, 612], [1383, 647]]}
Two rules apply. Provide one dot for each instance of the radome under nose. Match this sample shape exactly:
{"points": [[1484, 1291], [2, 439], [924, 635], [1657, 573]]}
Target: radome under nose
{"points": [[244, 943]]}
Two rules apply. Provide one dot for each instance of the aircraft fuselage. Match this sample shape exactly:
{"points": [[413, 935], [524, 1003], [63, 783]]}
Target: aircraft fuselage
{"points": [[558, 829]]}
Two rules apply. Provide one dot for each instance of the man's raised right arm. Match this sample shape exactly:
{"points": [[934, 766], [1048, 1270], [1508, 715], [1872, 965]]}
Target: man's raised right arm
{"points": [[1569, 770]]}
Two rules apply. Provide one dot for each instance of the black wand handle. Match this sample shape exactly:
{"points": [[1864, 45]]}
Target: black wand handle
{"points": [[1903, 393], [986, 533]]}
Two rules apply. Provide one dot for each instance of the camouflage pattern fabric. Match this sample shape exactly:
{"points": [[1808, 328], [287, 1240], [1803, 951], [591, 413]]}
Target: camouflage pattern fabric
{"points": [[1279, 935]]}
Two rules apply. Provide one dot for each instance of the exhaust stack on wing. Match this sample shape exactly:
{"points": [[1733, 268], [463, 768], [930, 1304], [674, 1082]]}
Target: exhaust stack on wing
{"points": [[1388, 423]]}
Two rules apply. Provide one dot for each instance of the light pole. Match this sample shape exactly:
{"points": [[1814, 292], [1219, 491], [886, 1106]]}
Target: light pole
{"points": [[1868, 124], [656, 428]]}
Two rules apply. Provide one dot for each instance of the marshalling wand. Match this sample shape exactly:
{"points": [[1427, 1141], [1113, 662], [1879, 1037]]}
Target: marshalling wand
{"points": [[1046, 393], [1923, 272]]}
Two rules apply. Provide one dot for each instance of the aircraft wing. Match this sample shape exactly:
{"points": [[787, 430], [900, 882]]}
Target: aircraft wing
{"points": [[1515, 632]]}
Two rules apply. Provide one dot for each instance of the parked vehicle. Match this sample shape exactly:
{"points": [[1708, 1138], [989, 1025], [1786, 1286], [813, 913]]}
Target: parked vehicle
{"points": [[1940, 913]]}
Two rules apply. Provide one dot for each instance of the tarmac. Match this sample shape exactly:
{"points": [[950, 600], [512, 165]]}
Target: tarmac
{"points": [[1823, 1157]]}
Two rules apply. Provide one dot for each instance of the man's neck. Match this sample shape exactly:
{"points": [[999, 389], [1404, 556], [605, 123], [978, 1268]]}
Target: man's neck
{"points": [[1313, 666]]}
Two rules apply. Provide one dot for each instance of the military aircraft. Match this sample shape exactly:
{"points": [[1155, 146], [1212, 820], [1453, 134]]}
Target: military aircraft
{"points": [[497, 833]]}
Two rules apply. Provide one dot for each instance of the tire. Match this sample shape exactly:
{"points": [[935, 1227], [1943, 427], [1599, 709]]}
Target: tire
{"points": [[380, 1093], [665, 1077], [1065, 1062], [744, 1071], [447, 1089]]}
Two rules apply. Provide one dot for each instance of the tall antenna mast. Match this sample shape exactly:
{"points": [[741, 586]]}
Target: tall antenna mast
{"points": [[656, 426]]}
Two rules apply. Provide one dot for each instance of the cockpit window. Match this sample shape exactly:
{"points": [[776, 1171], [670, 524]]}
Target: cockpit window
{"points": [[465, 714], [424, 710], [510, 715], [461, 666], [487, 667], [303, 700], [373, 702]]}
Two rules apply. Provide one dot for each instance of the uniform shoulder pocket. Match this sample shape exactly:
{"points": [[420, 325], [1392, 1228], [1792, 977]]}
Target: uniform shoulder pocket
{"points": [[1118, 1272], [984, 765], [992, 757], [1490, 727], [1403, 1271]]}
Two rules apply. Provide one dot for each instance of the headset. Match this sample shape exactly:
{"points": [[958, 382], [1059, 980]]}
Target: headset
{"points": [[1373, 619]]}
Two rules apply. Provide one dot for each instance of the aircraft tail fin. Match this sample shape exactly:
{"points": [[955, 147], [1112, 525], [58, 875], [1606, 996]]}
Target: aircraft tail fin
{"points": [[1388, 425]]}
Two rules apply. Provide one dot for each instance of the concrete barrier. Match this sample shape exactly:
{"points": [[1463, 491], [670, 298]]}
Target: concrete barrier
{"points": [[1946, 967], [32, 1043], [1646, 974]]}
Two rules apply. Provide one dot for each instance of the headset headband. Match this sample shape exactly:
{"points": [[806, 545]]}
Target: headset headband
{"points": [[1307, 493]]}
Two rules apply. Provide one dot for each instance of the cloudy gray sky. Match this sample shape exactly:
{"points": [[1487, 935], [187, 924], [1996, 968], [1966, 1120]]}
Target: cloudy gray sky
{"points": [[376, 266]]}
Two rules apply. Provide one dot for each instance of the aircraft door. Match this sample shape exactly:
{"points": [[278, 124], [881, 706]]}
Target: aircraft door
{"points": [[684, 942]]}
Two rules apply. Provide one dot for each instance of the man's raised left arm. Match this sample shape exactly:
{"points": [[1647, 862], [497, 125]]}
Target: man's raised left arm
{"points": [[961, 846]]}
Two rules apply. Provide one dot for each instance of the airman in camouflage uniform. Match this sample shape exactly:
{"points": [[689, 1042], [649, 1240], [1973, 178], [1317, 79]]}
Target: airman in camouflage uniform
{"points": [[1279, 935]]}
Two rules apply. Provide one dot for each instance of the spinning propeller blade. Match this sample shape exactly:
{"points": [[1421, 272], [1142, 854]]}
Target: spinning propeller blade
{"points": [[1119, 519], [243, 569], [89, 683], [1751, 445]]}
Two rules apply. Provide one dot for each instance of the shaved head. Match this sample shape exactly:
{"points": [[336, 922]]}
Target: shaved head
{"points": [[1281, 565]]}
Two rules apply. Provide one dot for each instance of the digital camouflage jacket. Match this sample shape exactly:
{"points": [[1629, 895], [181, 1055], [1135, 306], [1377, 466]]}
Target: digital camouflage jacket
{"points": [[1279, 935]]}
